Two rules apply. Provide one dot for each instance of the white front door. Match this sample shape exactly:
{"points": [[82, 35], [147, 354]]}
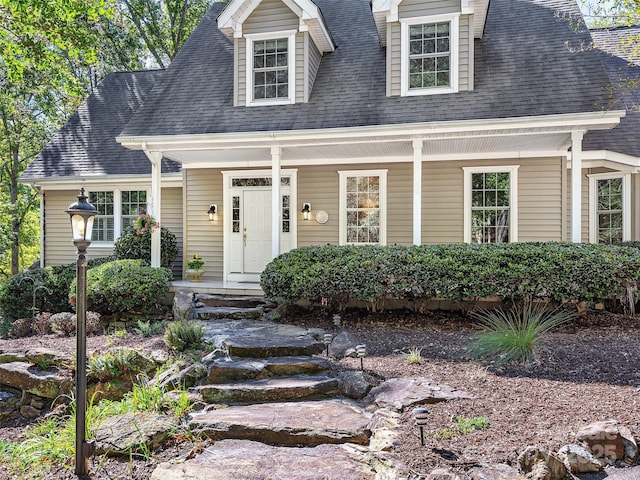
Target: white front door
{"points": [[248, 222]]}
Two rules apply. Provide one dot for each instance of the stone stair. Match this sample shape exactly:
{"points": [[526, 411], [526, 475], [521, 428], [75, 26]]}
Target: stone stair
{"points": [[212, 307]]}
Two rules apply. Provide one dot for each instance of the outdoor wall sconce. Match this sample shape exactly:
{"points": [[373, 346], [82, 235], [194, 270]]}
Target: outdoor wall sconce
{"points": [[213, 209], [327, 338], [420, 415], [306, 210], [361, 351]]}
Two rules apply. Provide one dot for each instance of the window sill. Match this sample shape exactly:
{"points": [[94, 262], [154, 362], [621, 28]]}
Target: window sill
{"points": [[264, 103], [413, 92]]}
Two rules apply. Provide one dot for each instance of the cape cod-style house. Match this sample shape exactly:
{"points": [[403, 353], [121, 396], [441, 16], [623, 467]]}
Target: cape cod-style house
{"points": [[285, 123]]}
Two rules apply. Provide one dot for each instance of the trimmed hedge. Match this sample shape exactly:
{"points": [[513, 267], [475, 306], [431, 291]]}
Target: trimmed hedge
{"points": [[124, 286], [132, 246], [457, 272], [16, 294]]}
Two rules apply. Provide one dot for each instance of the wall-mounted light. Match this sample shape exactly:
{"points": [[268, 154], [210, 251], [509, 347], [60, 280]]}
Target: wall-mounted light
{"points": [[306, 210], [212, 212]]}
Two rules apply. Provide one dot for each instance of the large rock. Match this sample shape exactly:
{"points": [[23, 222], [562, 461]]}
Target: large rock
{"points": [[354, 384], [343, 345], [400, 393], [609, 441], [132, 432], [442, 474], [384, 428], [224, 369], [494, 472], [31, 379], [578, 459], [287, 424], [246, 460], [48, 357], [539, 464], [9, 397], [183, 306], [207, 300]]}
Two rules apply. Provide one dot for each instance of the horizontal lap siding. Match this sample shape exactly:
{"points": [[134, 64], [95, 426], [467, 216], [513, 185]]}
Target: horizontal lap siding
{"points": [[585, 205], [540, 200], [240, 70], [171, 218], [463, 64], [300, 77], [420, 8], [270, 16], [314, 63], [204, 187], [442, 202], [393, 45]]}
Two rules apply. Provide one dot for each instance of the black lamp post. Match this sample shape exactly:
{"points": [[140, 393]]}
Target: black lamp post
{"points": [[82, 215]]}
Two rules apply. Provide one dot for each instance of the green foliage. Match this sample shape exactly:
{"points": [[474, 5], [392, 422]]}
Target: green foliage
{"points": [[458, 272], [116, 363], [138, 247], [471, 424], [511, 336], [52, 290], [414, 356], [149, 328], [125, 286], [183, 335]]}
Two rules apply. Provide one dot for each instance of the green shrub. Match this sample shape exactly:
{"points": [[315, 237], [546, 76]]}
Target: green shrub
{"points": [[149, 328], [511, 336], [334, 275], [131, 246], [183, 335], [116, 363], [52, 290], [126, 286]]}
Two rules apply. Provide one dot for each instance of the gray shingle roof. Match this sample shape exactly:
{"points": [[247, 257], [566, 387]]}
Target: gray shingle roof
{"points": [[524, 66], [86, 145], [622, 64]]}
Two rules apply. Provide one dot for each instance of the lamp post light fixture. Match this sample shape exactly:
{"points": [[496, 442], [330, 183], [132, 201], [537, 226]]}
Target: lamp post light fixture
{"points": [[361, 351], [327, 338], [306, 211], [82, 214], [213, 209], [421, 416]]}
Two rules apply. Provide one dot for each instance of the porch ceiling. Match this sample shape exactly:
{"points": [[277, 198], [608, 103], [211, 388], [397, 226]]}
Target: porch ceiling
{"points": [[377, 150]]}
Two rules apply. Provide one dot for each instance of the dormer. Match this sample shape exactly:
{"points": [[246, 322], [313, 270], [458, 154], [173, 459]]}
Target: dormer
{"points": [[278, 47], [429, 43]]}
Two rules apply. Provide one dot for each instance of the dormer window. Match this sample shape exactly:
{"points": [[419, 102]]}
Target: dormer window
{"points": [[270, 80], [429, 49]]}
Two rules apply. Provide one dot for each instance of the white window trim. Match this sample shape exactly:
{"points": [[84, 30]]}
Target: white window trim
{"points": [[593, 204], [454, 49], [291, 51], [382, 174], [512, 170], [117, 210]]}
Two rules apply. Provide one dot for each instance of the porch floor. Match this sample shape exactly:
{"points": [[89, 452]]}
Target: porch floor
{"points": [[219, 288]]}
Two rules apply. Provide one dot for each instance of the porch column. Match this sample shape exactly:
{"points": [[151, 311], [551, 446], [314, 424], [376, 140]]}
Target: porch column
{"points": [[417, 192], [154, 205], [576, 186], [276, 154]]}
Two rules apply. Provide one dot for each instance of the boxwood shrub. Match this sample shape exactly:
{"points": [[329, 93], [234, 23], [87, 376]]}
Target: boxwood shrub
{"points": [[458, 272], [125, 286], [132, 246], [52, 285]]}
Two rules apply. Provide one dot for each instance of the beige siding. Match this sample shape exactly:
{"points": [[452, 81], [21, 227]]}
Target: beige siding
{"points": [[420, 8], [319, 185], [204, 187], [300, 77], [270, 16], [539, 200], [313, 60], [395, 55], [58, 248], [241, 53], [463, 59], [585, 204]]}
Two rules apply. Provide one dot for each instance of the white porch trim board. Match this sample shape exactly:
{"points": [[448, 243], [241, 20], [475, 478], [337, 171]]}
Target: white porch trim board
{"points": [[276, 155], [155, 205], [576, 186], [417, 191]]}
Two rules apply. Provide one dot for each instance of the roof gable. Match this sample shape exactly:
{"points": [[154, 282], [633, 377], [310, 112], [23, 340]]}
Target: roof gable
{"points": [[231, 19]]}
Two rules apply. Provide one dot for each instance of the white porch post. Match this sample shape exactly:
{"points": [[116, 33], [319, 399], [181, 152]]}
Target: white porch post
{"points": [[576, 186], [276, 154], [154, 205], [417, 191]]}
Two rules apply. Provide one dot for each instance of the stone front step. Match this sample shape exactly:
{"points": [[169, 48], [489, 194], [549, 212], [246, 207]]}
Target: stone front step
{"points": [[277, 389], [287, 424], [216, 313], [206, 300], [222, 370], [261, 339], [246, 460]]}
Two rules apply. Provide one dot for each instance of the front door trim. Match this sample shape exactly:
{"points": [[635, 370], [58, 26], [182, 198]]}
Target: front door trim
{"points": [[228, 176]]}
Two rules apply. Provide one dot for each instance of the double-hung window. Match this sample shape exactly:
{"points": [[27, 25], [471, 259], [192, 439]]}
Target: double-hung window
{"points": [[270, 68], [116, 209], [363, 207], [609, 207], [429, 48], [490, 204]]}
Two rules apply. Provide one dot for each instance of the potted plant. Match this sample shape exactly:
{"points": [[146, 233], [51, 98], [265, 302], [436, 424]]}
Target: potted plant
{"points": [[194, 267]]}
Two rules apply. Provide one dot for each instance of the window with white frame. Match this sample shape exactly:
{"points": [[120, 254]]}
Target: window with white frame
{"points": [[490, 204], [271, 68], [429, 49], [609, 207], [363, 207], [116, 209]]}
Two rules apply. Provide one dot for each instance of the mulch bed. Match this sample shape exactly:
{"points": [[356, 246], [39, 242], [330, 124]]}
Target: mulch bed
{"points": [[585, 373]]}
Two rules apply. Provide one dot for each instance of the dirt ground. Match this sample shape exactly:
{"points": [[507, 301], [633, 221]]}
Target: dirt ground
{"points": [[584, 373]]}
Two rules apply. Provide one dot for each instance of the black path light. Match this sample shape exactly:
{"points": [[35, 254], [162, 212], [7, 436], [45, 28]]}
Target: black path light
{"points": [[82, 214], [337, 320], [361, 351], [327, 338], [421, 415]]}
